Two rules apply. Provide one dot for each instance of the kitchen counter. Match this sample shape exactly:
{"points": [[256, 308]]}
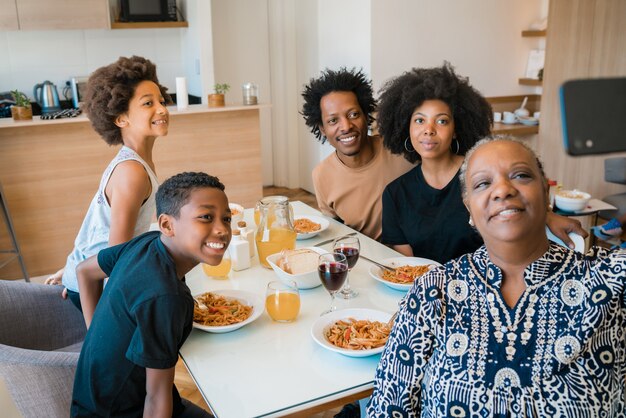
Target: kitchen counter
{"points": [[193, 109], [50, 171]]}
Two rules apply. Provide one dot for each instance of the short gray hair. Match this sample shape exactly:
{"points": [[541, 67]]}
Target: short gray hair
{"points": [[494, 138]]}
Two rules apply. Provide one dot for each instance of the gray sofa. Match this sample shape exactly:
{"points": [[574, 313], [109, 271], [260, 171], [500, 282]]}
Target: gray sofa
{"points": [[40, 339]]}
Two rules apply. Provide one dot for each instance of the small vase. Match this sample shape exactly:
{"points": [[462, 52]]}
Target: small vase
{"points": [[216, 100], [21, 113]]}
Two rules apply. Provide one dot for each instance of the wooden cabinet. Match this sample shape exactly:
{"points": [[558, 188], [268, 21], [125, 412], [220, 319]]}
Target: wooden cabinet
{"points": [[8, 15], [62, 14], [50, 170]]}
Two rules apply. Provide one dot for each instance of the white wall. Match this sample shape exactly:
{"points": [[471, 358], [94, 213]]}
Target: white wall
{"points": [[481, 39], [30, 57], [338, 34], [241, 53], [196, 45]]}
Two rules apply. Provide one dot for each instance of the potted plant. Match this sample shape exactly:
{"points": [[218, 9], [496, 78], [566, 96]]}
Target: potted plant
{"points": [[21, 110], [217, 99]]}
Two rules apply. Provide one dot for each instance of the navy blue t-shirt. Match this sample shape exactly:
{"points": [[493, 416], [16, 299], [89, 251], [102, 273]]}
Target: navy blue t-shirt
{"points": [[434, 222], [142, 319]]}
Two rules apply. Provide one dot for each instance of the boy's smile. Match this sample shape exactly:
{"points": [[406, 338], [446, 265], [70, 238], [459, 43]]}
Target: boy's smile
{"points": [[202, 231]]}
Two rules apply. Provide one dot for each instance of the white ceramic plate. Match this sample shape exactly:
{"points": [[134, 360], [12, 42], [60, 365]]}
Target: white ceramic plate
{"points": [[377, 273], [318, 220], [248, 298], [509, 123], [529, 121], [326, 321], [237, 214]]}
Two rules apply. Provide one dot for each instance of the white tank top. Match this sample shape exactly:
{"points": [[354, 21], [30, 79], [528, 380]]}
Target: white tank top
{"points": [[94, 232]]}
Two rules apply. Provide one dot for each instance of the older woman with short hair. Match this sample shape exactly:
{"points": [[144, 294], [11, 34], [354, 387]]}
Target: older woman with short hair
{"points": [[521, 327]]}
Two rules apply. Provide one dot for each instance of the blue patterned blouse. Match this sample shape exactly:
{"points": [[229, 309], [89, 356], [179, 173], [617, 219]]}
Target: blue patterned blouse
{"points": [[457, 350]]}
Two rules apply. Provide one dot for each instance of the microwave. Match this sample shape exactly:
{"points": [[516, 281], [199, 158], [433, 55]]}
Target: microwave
{"points": [[148, 10]]}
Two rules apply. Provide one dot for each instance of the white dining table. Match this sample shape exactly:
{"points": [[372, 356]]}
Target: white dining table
{"points": [[271, 369]]}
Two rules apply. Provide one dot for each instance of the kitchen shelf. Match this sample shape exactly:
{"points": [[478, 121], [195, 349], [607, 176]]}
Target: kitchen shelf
{"points": [[517, 129], [530, 82], [148, 25], [533, 33]]}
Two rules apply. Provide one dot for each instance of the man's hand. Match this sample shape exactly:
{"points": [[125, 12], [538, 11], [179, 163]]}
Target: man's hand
{"points": [[561, 226]]}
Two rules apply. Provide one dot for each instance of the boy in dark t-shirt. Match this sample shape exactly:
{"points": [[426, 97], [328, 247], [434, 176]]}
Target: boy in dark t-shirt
{"points": [[126, 366]]}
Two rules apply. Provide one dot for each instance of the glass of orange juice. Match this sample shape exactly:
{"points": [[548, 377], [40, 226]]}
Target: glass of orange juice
{"points": [[219, 272], [282, 301]]}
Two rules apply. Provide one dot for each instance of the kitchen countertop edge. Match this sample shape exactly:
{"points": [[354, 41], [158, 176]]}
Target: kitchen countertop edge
{"points": [[192, 109]]}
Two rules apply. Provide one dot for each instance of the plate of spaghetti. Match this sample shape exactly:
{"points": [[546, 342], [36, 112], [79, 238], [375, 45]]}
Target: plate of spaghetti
{"points": [[222, 311], [354, 332], [406, 270], [308, 226]]}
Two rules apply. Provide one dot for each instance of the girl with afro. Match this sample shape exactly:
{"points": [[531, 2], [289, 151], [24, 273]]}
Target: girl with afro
{"points": [[126, 106]]}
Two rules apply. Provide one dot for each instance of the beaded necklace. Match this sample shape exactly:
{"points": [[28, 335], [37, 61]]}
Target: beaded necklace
{"points": [[497, 309]]}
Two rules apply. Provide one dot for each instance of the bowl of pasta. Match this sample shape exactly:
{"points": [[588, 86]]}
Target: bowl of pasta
{"points": [[226, 310], [308, 226], [356, 332], [405, 271]]}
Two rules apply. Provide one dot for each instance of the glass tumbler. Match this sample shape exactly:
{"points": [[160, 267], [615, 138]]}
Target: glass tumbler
{"points": [[282, 301]]}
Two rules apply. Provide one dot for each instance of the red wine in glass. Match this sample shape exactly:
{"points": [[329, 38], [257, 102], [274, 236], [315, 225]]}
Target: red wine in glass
{"points": [[332, 269], [333, 275], [351, 253], [350, 247]]}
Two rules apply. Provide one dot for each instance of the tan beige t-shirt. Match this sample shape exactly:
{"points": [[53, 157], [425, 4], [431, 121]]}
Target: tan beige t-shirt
{"points": [[355, 194]]}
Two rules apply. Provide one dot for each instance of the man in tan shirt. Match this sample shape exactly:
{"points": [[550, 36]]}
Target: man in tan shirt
{"points": [[349, 183]]}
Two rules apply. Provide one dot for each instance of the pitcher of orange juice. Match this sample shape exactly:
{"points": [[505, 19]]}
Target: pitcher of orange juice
{"points": [[275, 229], [266, 201]]}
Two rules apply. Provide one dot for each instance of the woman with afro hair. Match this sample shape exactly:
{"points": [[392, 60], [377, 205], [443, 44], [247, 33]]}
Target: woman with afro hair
{"points": [[433, 116], [126, 105]]}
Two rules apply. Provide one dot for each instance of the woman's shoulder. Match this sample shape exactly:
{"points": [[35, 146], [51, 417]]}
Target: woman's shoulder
{"points": [[406, 181], [611, 260]]}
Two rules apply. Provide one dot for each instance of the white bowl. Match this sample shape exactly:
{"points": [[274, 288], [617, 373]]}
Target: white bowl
{"points": [[326, 321], [237, 214], [394, 262], [318, 220], [527, 120], [307, 280], [247, 298], [571, 200]]}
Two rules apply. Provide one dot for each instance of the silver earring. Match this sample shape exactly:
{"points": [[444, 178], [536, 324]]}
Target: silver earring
{"points": [[471, 221], [406, 145], [458, 146]]}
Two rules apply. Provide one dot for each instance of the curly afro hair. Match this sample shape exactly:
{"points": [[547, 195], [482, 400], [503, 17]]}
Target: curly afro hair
{"points": [[109, 90], [331, 81], [174, 193], [400, 96]]}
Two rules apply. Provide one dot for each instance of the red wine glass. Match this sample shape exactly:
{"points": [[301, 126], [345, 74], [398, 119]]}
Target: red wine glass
{"points": [[333, 271], [350, 247]]}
